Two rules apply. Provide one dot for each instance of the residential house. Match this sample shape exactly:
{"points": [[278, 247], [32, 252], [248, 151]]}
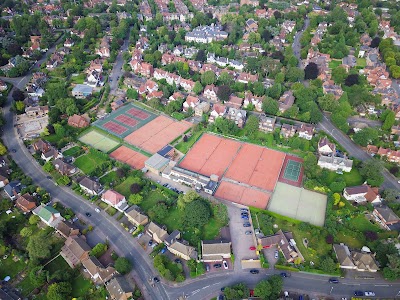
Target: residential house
{"points": [[202, 108], [63, 167], [190, 102], [187, 84], [257, 102], [36, 111], [98, 273], [3, 181], [385, 216], [237, 115], [156, 232], [82, 91], [325, 147], [334, 163], [142, 68], [67, 229], [362, 193], [286, 101], [247, 77], [285, 243], [90, 186], [41, 146], [183, 251], [3, 86], [119, 288], [104, 48], [234, 101], [93, 79], [251, 25], [78, 121], [288, 130], [218, 110], [75, 250], [266, 124], [306, 131], [13, 189], [117, 104], [68, 43], [395, 130], [372, 149], [176, 96], [210, 92], [206, 34], [49, 215], [136, 217], [215, 251], [51, 153], [359, 261], [26, 203], [328, 87], [115, 199]]}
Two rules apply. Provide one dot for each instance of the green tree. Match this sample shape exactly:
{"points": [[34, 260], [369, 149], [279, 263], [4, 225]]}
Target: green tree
{"points": [[159, 212], [224, 92], [26, 231], [371, 170], [48, 167], [135, 199], [237, 292], [38, 276], [38, 247], [196, 214], [270, 106], [339, 74], [3, 149], [63, 180], [328, 265], [184, 199], [251, 126], [392, 271], [98, 250], [390, 195], [208, 77], [263, 289], [33, 220], [198, 88], [123, 265], [389, 120], [294, 74], [19, 106], [220, 213], [366, 136], [59, 291], [328, 102], [310, 165]]}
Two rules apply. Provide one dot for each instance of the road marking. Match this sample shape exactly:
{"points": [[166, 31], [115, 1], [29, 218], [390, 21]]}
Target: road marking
{"points": [[195, 292], [204, 287], [382, 285]]}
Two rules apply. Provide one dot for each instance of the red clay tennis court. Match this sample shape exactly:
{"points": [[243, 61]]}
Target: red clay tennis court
{"points": [[211, 155], [156, 134], [243, 195], [292, 180], [114, 127], [127, 120], [130, 157], [256, 166], [138, 113]]}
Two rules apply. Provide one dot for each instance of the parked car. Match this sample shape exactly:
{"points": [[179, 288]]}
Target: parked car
{"points": [[165, 184], [207, 268], [225, 265], [163, 250], [333, 280], [358, 293], [154, 245], [140, 235], [276, 254], [88, 214], [248, 232], [178, 261], [156, 279], [246, 224], [245, 217], [284, 274], [97, 210], [244, 210], [369, 293], [254, 271], [132, 229], [252, 248], [217, 266], [150, 242]]}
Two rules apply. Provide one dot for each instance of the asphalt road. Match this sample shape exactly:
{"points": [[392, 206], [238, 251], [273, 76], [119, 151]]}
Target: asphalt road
{"points": [[355, 151], [371, 123], [296, 41]]}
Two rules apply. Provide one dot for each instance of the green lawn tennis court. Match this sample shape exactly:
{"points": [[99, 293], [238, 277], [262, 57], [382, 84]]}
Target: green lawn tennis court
{"points": [[99, 141]]}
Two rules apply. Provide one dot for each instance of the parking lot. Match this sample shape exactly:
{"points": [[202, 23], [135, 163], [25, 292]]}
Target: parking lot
{"points": [[241, 242]]}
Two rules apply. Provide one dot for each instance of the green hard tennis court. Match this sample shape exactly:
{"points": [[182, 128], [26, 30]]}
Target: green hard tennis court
{"points": [[292, 170], [99, 140]]}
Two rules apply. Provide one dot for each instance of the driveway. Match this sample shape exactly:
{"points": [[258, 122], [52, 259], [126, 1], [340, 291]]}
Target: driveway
{"points": [[240, 241], [269, 254]]}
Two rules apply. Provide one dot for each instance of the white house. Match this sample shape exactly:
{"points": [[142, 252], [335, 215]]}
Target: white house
{"points": [[115, 199], [334, 163], [362, 193]]}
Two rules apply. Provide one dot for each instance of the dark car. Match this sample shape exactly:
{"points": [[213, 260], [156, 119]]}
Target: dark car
{"points": [[358, 293], [254, 271], [156, 279], [217, 266], [49, 177], [333, 280], [283, 274], [245, 217], [178, 261], [150, 242], [13, 150], [222, 289], [246, 225], [88, 214]]}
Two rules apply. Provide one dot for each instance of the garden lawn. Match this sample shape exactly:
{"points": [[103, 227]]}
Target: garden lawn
{"points": [[74, 151], [361, 62], [108, 178], [80, 286], [58, 264], [360, 223], [124, 187], [178, 116], [185, 146], [353, 178], [349, 240], [151, 200], [87, 163], [334, 64], [10, 267], [26, 286], [211, 229], [103, 205], [111, 211], [78, 79]]}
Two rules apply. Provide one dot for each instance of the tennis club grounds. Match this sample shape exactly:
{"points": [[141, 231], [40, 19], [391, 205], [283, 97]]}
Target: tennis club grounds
{"points": [[99, 141]]}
